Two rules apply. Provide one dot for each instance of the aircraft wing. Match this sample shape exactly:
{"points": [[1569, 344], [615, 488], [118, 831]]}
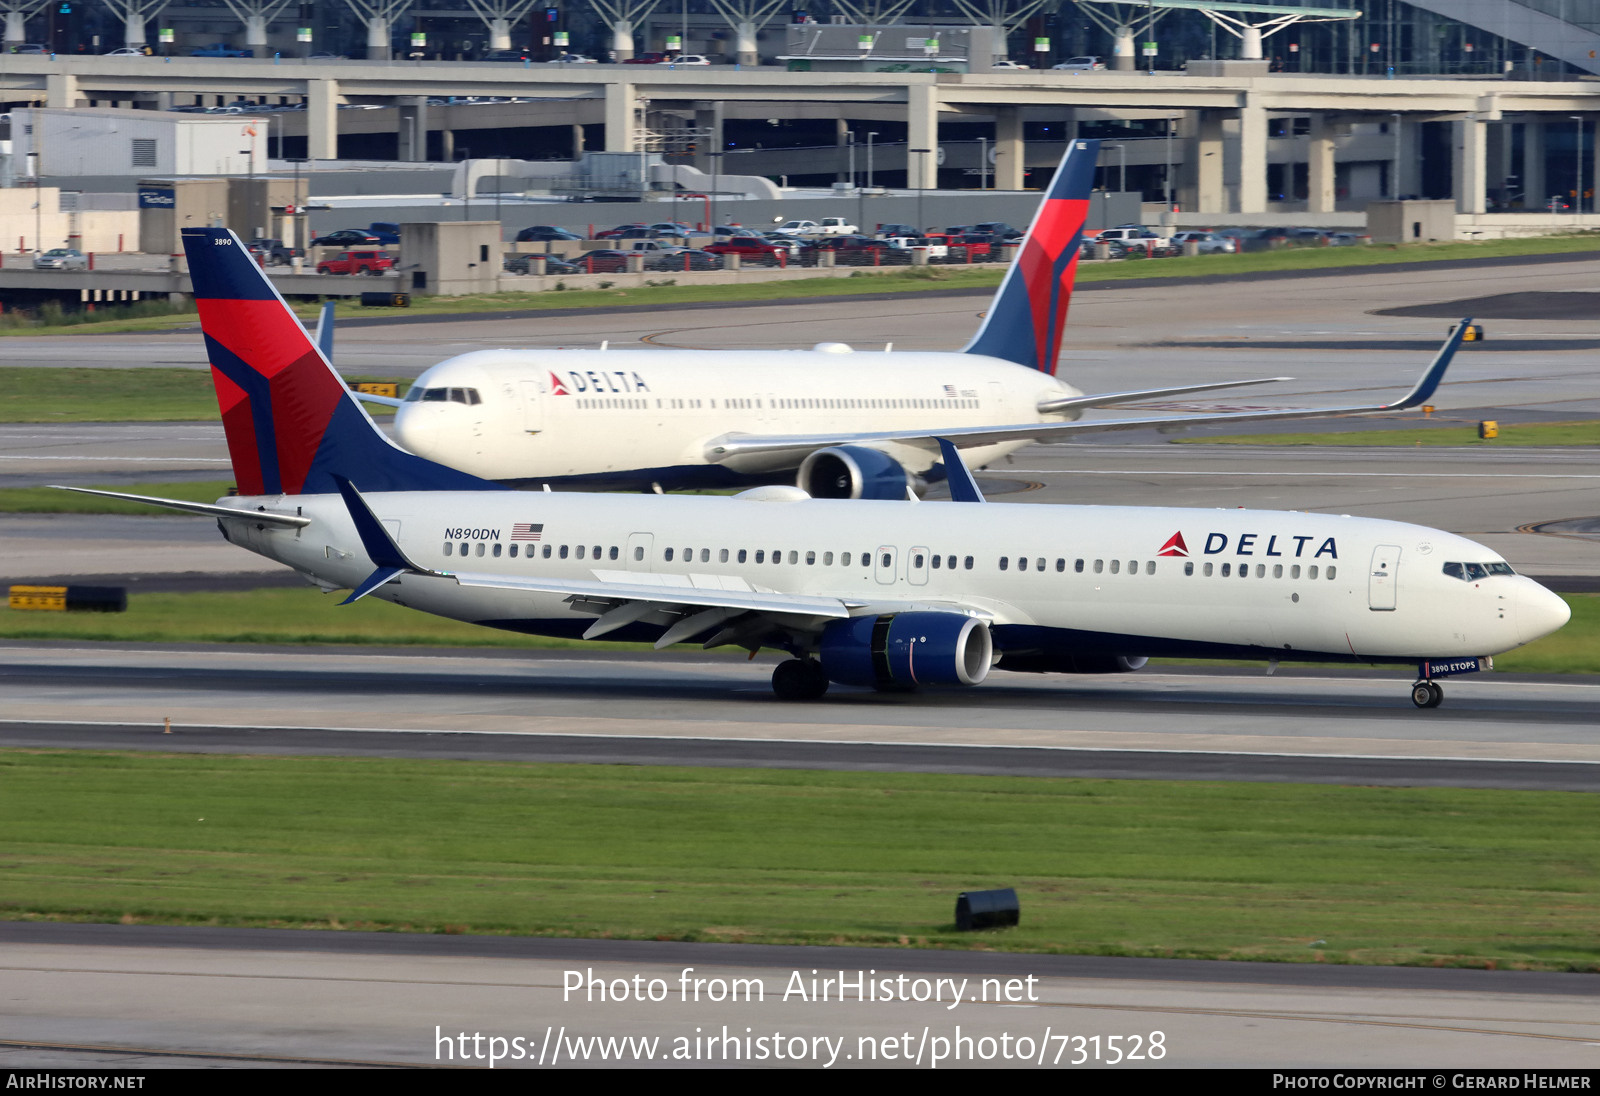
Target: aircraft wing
{"points": [[1067, 403], [734, 611], [695, 591], [967, 437]]}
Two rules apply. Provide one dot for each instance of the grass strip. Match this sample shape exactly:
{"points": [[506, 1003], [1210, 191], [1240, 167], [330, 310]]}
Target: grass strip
{"points": [[48, 500], [156, 394], [667, 292], [1410, 437], [305, 616], [1307, 873], [273, 615]]}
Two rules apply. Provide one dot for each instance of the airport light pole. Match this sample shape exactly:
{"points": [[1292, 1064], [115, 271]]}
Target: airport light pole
{"points": [[716, 169], [1577, 201], [871, 136], [1166, 179], [922, 182], [1394, 184], [1122, 165], [983, 163]]}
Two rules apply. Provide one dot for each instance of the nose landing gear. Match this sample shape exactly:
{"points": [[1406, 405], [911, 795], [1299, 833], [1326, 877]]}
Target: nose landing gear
{"points": [[1426, 694]]}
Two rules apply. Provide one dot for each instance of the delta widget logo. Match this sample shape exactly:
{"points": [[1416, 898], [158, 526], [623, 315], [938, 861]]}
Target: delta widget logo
{"points": [[1174, 546]]}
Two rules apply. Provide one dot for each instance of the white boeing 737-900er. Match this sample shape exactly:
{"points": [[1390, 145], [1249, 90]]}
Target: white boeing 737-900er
{"points": [[837, 422], [892, 594]]}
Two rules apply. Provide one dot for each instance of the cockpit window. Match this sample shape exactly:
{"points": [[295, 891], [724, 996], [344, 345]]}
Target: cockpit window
{"points": [[444, 395], [1472, 572]]}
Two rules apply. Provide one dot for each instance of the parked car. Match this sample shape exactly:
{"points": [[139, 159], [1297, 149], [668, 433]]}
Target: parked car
{"points": [[274, 252], [572, 59], [751, 249], [617, 232], [899, 230], [346, 237], [603, 261], [327, 57], [221, 49], [1134, 237], [131, 51], [938, 250], [387, 232], [671, 228], [371, 263], [692, 59], [523, 264], [1004, 65], [30, 49], [541, 233], [1080, 64], [998, 228], [683, 258], [798, 228], [646, 59], [1209, 243], [514, 55], [61, 258]]}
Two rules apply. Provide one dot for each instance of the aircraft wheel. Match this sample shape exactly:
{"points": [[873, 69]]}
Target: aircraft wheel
{"points": [[799, 679], [1425, 694]]}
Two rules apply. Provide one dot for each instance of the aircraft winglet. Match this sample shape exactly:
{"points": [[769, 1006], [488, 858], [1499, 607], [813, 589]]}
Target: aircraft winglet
{"points": [[963, 488], [1429, 381]]}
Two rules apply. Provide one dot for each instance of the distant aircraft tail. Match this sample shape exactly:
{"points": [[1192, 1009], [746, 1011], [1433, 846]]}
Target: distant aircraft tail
{"points": [[293, 427], [1029, 313]]}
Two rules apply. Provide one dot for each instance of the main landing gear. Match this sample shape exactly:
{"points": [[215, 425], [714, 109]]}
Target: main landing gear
{"points": [[799, 679], [1426, 694]]}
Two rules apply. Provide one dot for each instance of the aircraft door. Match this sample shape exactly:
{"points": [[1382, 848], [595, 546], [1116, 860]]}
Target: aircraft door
{"points": [[917, 567], [640, 551], [1380, 584], [884, 565], [532, 407], [997, 396]]}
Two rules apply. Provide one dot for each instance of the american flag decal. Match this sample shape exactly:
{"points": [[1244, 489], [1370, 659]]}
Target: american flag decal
{"points": [[524, 531], [950, 391]]}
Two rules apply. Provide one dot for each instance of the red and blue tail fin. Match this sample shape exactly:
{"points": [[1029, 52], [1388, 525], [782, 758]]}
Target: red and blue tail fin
{"points": [[293, 427], [1029, 313]]}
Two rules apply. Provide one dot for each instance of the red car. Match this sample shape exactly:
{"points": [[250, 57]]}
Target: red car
{"points": [[648, 59], [614, 233], [373, 263], [752, 248]]}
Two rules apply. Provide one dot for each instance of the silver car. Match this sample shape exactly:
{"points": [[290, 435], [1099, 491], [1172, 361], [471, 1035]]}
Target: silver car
{"points": [[61, 258], [1209, 243]]}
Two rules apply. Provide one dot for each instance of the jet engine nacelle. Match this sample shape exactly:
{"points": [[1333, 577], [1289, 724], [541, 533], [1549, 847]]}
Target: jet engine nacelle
{"points": [[856, 472], [906, 649]]}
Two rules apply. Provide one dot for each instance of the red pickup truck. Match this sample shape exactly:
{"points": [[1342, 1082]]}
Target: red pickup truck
{"points": [[357, 262]]}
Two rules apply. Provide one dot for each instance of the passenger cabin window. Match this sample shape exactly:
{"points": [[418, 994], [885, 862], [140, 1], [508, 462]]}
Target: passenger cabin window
{"points": [[1004, 563], [667, 555], [563, 551]]}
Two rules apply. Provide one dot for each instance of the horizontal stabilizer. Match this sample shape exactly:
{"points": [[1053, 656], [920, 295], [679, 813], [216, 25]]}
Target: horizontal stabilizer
{"points": [[265, 517]]}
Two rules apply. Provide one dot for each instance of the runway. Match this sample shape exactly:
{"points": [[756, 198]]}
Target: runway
{"points": [[678, 707], [247, 998]]}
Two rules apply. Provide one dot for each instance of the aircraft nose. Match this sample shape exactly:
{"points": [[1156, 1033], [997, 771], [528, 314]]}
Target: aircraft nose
{"points": [[415, 428], [1539, 612]]}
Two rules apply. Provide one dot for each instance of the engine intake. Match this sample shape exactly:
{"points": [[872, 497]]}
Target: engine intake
{"points": [[853, 472], [907, 649]]}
